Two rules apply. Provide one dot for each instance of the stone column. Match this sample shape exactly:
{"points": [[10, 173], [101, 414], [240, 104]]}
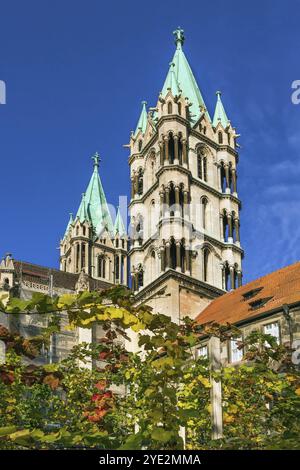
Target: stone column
{"points": [[176, 156], [162, 258], [226, 167], [230, 228], [161, 202], [178, 257], [177, 205], [132, 187], [186, 204], [166, 152], [231, 269], [167, 199], [221, 228], [187, 262], [161, 151], [233, 173], [184, 153], [168, 254], [237, 229]]}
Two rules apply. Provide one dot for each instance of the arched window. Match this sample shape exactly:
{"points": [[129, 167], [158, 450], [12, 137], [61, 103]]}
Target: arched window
{"points": [[140, 278], [205, 168], [101, 266], [226, 276], [199, 165], [170, 108], [77, 256], [179, 109], [228, 138], [83, 231], [204, 130], [206, 254], [140, 182], [117, 267], [171, 148], [220, 137], [117, 243], [204, 212], [173, 254], [180, 148], [140, 145], [77, 230], [83, 255]]}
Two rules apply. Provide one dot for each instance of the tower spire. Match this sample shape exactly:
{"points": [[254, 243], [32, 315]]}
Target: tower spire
{"points": [[220, 114], [142, 122]]}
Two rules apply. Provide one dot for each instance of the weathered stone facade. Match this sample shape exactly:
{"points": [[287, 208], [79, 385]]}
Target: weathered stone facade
{"points": [[184, 204]]}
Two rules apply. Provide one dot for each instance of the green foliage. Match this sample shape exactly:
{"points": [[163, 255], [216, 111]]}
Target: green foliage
{"points": [[140, 400]]}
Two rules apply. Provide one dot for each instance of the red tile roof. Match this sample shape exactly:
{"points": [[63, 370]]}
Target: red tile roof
{"points": [[275, 289]]}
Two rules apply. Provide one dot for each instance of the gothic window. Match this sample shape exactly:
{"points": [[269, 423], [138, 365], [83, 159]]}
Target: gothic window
{"points": [[83, 255], [140, 278], [170, 108], [117, 243], [223, 178], [140, 145], [77, 230], [83, 231], [205, 168], [179, 109], [199, 165], [228, 138], [180, 147], [117, 267], [101, 266], [206, 254], [204, 202], [77, 256], [226, 279], [140, 182], [220, 137], [171, 148], [123, 243], [173, 254], [204, 130]]}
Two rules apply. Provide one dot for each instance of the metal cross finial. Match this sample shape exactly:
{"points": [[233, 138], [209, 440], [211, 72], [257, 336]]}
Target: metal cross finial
{"points": [[96, 159], [179, 36]]}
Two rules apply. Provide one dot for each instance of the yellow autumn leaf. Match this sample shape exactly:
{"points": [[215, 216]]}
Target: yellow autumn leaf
{"points": [[297, 391], [204, 381]]}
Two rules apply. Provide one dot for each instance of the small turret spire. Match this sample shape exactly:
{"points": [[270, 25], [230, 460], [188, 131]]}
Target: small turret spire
{"points": [[142, 122], [220, 113], [179, 37]]}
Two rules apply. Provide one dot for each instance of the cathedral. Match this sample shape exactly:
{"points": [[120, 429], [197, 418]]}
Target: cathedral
{"points": [[182, 251]]}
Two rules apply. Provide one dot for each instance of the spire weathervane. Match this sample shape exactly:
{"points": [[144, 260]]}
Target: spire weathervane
{"points": [[179, 37], [96, 160]]}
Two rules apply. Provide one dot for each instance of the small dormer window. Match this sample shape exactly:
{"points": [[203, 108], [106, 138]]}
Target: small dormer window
{"points": [[220, 137], [256, 304], [140, 144], [251, 293]]}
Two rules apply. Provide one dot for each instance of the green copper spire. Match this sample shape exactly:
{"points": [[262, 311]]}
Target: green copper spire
{"points": [[185, 78], [171, 81], [82, 213], [142, 122], [69, 225], [220, 114], [119, 225], [93, 206]]}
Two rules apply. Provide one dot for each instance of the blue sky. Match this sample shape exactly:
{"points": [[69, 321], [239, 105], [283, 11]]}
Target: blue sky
{"points": [[76, 72]]}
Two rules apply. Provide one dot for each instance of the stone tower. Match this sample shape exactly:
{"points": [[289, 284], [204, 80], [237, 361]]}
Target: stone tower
{"points": [[92, 243], [184, 205]]}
